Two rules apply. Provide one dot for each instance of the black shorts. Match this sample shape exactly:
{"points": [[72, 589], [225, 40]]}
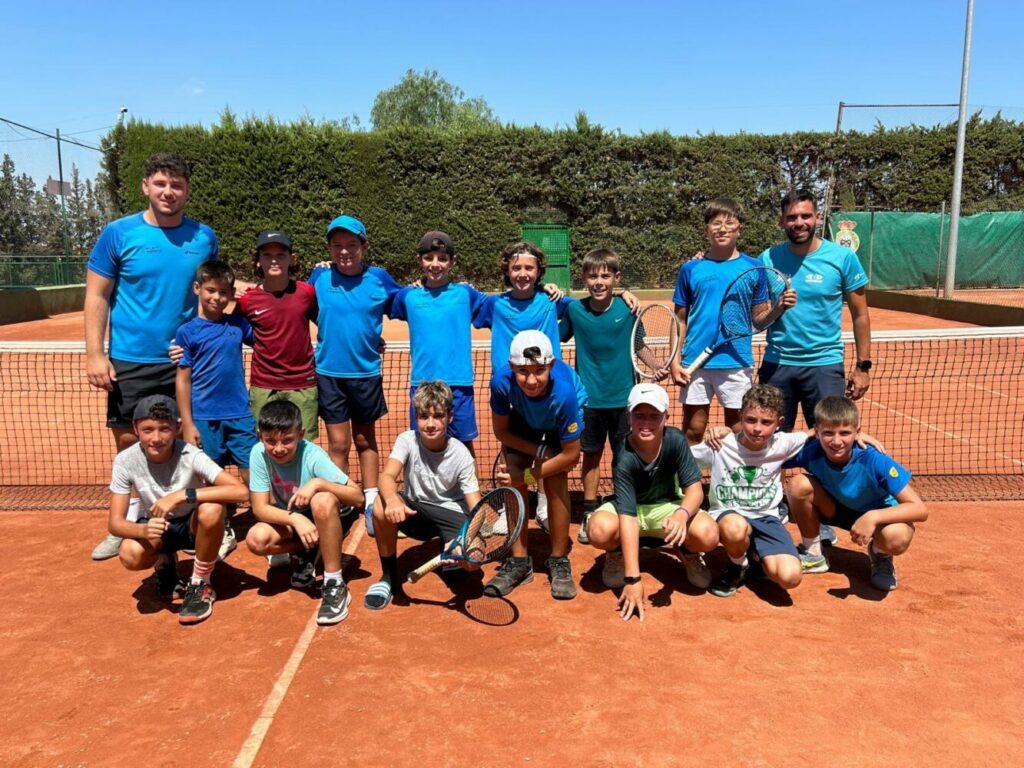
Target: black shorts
{"points": [[134, 382], [178, 534], [431, 520], [520, 428], [600, 424], [358, 400], [348, 519], [844, 517]]}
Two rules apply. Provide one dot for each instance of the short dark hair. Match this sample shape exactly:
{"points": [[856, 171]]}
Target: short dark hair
{"points": [[722, 205], [766, 396], [158, 412], [835, 411], [798, 195], [169, 163], [522, 248], [214, 269], [280, 416], [598, 258]]}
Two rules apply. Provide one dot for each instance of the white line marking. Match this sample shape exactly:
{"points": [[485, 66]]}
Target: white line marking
{"points": [[251, 747]]}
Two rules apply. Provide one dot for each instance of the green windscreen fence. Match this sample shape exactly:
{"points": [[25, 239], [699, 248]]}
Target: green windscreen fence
{"points": [[554, 240], [902, 250]]}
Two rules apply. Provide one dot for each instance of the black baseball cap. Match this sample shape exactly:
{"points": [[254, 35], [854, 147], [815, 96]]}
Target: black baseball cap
{"points": [[436, 241], [268, 236], [145, 404]]}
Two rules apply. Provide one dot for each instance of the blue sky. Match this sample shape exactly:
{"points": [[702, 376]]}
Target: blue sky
{"points": [[686, 67]]}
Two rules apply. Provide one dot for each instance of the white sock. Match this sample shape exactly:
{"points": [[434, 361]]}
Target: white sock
{"points": [[812, 545], [133, 511], [371, 496], [542, 506], [328, 575], [740, 561]]}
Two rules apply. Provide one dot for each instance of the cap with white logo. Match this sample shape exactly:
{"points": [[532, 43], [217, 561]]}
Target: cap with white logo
{"points": [[648, 394]]}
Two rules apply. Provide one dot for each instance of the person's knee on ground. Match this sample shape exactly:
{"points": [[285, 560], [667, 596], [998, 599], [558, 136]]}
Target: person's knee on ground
{"points": [[784, 570]]}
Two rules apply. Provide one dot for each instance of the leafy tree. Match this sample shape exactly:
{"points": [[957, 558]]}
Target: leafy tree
{"points": [[429, 101]]}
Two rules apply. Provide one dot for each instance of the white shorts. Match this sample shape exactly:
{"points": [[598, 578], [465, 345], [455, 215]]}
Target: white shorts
{"points": [[729, 385]]}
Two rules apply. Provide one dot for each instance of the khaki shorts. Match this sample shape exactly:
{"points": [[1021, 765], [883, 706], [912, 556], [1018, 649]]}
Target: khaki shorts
{"points": [[305, 399], [650, 517]]}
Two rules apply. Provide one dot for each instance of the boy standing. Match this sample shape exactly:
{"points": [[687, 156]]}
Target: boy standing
{"points": [[297, 496], [858, 489], [182, 497], [602, 327], [440, 487], [657, 494]]}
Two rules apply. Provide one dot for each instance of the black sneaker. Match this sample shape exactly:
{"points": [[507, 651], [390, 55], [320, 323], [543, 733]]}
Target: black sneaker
{"points": [[304, 568], [334, 603], [510, 574], [560, 573], [729, 580], [167, 581], [197, 604]]}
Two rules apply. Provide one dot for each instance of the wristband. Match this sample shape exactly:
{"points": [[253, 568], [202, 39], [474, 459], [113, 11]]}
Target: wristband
{"points": [[630, 579], [528, 476], [541, 450], [689, 517]]}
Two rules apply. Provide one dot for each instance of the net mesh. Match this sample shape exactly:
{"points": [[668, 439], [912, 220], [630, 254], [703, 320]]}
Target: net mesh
{"points": [[947, 404]]}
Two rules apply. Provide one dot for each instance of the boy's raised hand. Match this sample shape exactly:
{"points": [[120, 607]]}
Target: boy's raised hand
{"points": [[864, 440], [715, 435], [631, 601], [553, 291], [632, 302], [175, 352]]}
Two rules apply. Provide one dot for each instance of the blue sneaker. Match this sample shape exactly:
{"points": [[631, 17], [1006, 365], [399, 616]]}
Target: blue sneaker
{"points": [[827, 534], [811, 563], [883, 571], [368, 514]]}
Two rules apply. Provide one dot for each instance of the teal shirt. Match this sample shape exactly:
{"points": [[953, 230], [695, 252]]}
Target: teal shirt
{"points": [[602, 350], [811, 332]]}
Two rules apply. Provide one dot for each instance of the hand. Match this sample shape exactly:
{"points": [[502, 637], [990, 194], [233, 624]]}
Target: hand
{"points": [[303, 496], [502, 476], [396, 512], [663, 373], [679, 376], [190, 434], [163, 506], [631, 301], [553, 291], [789, 298], [324, 264], [305, 530], [715, 435], [675, 528], [857, 384], [155, 528], [175, 352], [863, 530], [698, 255], [864, 440], [100, 372], [418, 283], [631, 600]]}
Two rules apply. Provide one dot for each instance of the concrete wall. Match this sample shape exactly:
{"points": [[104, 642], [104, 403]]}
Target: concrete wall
{"points": [[961, 311], [19, 305]]}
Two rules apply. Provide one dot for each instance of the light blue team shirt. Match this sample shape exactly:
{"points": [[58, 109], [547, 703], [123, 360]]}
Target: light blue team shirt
{"points": [[153, 269], [506, 317], [869, 480], [350, 320], [439, 331], [811, 332], [213, 350], [283, 480], [700, 287], [559, 410]]}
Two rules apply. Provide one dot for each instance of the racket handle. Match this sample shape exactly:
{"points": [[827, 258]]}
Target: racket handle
{"points": [[701, 359], [431, 565]]}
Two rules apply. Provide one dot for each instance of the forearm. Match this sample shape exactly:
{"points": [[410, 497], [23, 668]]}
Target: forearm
{"points": [[119, 526], [559, 463], [97, 309], [629, 540], [183, 395], [349, 494], [907, 512], [693, 496], [226, 493], [266, 512], [511, 440], [387, 487]]}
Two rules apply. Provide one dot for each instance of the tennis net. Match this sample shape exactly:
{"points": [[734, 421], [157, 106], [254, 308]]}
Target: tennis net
{"points": [[946, 403]]}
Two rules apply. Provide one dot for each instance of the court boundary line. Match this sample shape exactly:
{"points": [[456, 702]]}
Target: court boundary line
{"points": [[257, 734]]}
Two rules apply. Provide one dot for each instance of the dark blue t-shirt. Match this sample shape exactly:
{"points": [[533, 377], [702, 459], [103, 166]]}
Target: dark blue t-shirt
{"points": [[214, 353]]}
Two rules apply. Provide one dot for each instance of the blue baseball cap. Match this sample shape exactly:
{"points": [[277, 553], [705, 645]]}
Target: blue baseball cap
{"points": [[349, 224]]}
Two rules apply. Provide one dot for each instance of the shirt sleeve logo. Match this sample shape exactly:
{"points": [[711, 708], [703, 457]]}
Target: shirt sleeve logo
{"points": [[893, 472], [572, 428]]}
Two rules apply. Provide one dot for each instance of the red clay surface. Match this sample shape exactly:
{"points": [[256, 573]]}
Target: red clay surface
{"points": [[96, 671]]}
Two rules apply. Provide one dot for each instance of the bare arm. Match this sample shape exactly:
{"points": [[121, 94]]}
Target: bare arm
{"points": [[678, 374], [859, 381], [98, 367], [183, 394], [910, 509]]}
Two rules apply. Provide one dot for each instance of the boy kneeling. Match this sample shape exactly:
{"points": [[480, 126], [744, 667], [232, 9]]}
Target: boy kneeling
{"points": [[182, 502], [648, 473], [858, 489]]}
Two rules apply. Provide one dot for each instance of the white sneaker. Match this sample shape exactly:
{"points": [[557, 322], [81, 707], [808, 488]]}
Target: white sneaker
{"points": [[107, 548], [276, 561], [228, 544], [697, 572], [613, 575], [542, 511]]}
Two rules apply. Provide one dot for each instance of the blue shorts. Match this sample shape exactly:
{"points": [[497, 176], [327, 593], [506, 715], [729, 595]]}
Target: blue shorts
{"points": [[228, 441], [463, 424], [768, 536], [803, 385], [358, 400]]}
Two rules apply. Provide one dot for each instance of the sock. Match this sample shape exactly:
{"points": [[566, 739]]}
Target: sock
{"points": [[812, 545], [328, 575], [389, 569], [740, 561], [371, 496], [201, 571], [590, 505], [133, 511]]}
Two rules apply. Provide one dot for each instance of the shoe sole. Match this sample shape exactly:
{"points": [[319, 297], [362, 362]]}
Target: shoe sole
{"points": [[566, 596], [815, 568], [327, 621], [189, 620], [491, 591], [722, 592]]}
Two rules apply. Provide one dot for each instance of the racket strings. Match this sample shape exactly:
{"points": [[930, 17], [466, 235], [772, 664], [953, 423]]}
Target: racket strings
{"points": [[655, 337], [752, 302], [492, 526]]}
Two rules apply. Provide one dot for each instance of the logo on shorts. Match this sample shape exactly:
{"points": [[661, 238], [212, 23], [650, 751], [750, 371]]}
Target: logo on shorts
{"points": [[572, 428]]}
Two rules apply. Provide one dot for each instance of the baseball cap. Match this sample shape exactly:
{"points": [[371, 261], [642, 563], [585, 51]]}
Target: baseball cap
{"points": [[525, 340], [349, 224], [144, 406], [436, 241], [268, 236], [649, 394]]}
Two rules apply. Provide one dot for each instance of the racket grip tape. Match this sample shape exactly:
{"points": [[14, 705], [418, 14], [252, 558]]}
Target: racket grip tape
{"points": [[701, 359], [431, 565]]}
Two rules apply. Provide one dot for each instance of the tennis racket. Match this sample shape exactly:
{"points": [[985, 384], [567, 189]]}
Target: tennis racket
{"points": [[494, 523], [751, 303], [655, 341]]}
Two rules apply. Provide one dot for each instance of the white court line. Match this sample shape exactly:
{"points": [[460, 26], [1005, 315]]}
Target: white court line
{"points": [[251, 747]]}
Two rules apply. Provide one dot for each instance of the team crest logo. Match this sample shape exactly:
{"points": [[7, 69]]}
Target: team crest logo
{"points": [[572, 428], [893, 472], [846, 237]]}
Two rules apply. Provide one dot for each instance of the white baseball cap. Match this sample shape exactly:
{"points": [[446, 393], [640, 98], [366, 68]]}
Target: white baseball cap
{"points": [[525, 340], [651, 394]]}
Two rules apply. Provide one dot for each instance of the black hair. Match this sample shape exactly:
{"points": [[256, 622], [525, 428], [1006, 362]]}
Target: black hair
{"points": [[280, 416]]}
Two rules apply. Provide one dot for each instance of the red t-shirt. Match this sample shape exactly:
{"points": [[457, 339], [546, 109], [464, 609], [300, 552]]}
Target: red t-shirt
{"points": [[282, 353]]}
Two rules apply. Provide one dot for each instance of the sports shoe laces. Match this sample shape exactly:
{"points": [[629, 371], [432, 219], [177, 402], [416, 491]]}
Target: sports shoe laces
{"points": [[884, 565], [560, 567]]}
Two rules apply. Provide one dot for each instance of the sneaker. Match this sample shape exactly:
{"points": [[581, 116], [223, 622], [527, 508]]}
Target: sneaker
{"points": [[582, 537], [197, 603], [368, 514], [167, 583], [811, 563], [542, 512], [304, 568], [729, 580], [334, 603], [613, 575], [827, 534], [697, 572], [563, 587], [512, 572], [228, 544], [883, 570], [107, 548], [278, 560]]}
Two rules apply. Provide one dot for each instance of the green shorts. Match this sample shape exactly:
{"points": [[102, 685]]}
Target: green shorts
{"points": [[305, 399], [649, 516]]}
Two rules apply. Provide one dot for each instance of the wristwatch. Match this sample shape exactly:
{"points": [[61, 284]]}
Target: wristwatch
{"points": [[631, 579], [863, 365], [190, 495]]}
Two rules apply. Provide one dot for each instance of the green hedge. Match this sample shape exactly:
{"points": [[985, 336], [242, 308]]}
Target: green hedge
{"points": [[641, 195]]}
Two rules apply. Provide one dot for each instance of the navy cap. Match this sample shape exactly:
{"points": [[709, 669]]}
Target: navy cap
{"points": [[436, 241]]}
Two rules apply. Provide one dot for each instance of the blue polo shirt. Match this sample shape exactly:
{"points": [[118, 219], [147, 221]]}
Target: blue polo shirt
{"points": [[153, 269], [350, 320], [559, 410], [810, 334], [869, 480], [506, 317], [213, 350]]}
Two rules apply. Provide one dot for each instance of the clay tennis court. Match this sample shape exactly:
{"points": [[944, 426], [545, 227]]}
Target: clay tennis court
{"points": [[96, 670]]}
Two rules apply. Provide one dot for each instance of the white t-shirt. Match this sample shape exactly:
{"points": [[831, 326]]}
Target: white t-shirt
{"points": [[745, 481], [188, 467], [437, 477]]}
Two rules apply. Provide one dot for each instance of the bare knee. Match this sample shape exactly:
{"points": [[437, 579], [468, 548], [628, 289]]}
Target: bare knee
{"points": [[258, 539], [785, 571], [365, 437], [894, 539], [702, 534], [603, 530], [135, 557], [733, 529], [799, 488], [324, 505], [210, 516]]}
